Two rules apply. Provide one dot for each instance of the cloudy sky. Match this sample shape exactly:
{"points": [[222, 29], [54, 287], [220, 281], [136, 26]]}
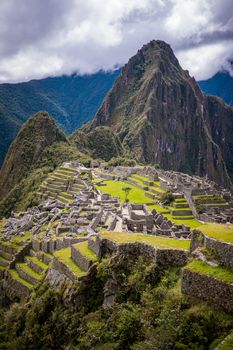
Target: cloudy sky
{"points": [[40, 38]]}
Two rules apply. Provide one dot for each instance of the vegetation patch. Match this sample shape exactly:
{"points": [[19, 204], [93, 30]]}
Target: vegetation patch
{"points": [[218, 272]]}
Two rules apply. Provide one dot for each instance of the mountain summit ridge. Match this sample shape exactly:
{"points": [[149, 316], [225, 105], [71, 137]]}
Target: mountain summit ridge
{"points": [[162, 116]]}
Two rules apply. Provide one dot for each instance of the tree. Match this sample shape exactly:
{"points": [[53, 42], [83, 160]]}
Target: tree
{"points": [[126, 190]]}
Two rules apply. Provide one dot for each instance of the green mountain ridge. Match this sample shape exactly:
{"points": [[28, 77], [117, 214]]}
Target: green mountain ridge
{"points": [[71, 100]]}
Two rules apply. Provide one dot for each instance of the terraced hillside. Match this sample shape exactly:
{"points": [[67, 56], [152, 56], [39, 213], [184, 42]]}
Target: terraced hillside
{"points": [[96, 232], [62, 184]]}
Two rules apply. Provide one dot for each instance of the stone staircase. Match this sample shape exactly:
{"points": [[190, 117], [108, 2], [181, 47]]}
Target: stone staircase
{"points": [[27, 274]]}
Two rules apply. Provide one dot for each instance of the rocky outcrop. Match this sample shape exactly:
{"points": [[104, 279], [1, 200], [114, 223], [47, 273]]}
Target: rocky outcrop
{"points": [[161, 116]]}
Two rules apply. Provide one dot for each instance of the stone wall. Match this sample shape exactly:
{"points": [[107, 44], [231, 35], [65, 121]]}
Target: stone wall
{"points": [[36, 245], [207, 288], [19, 257], [8, 249], [80, 259], [64, 269], [67, 242], [162, 257], [224, 250], [94, 245], [197, 240], [26, 276], [14, 289], [171, 257]]}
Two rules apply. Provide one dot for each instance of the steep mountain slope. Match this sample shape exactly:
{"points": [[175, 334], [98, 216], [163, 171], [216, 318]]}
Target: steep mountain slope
{"points": [[100, 143], [221, 84], [72, 100], [38, 132], [161, 115]]}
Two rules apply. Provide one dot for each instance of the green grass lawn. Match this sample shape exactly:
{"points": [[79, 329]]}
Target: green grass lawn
{"points": [[82, 247], [64, 255], [222, 232], [156, 241], [219, 272], [114, 188]]}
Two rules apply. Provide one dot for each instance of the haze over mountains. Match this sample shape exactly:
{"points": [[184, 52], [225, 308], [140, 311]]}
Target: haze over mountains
{"points": [[71, 100]]}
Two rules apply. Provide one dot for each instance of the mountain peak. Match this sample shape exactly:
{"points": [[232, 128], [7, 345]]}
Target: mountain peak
{"points": [[39, 132], [161, 116]]}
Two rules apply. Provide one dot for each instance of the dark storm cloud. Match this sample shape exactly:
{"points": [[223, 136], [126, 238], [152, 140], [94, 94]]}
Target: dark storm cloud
{"points": [[52, 37]]}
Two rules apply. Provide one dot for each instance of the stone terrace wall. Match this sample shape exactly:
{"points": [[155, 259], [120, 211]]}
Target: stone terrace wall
{"points": [[224, 250], [162, 257], [208, 288], [94, 245], [19, 257], [14, 289], [62, 268], [80, 259]]}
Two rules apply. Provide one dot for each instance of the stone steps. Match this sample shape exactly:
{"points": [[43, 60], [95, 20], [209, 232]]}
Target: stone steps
{"points": [[56, 180], [82, 255], [180, 205], [66, 195], [63, 199], [6, 255], [60, 175], [23, 287], [35, 264], [69, 170], [4, 262], [27, 273], [181, 212]]}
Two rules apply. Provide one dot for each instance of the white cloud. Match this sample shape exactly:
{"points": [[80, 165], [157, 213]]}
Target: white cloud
{"points": [[53, 37]]}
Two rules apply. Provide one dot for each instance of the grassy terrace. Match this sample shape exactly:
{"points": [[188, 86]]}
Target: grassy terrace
{"points": [[188, 221], [219, 231], [141, 177], [219, 272], [64, 255], [155, 241], [158, 208], [37, 261], [30, 271], [82, 247], [114, 188], [14, 274]]}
